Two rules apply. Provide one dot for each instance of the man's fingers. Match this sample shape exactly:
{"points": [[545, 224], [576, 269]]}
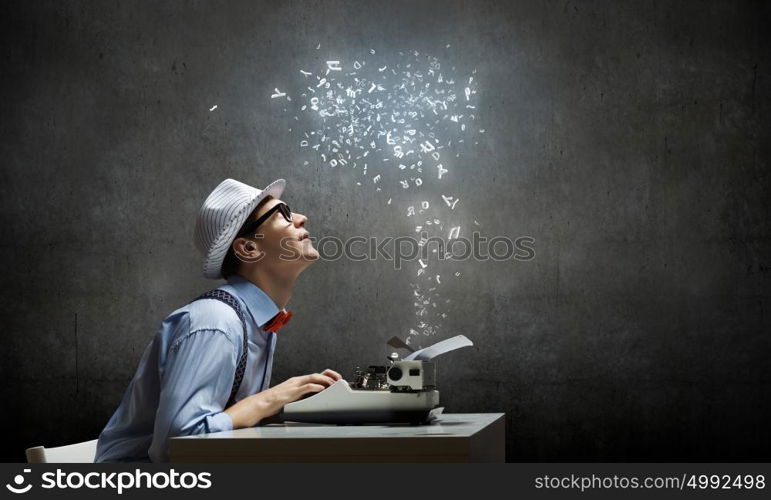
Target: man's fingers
{"points": [[318, 378], [332, 374], [327, 381], [311, 387]]}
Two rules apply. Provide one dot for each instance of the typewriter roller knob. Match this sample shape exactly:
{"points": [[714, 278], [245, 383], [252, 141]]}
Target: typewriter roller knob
{"points": [[395, 373]]}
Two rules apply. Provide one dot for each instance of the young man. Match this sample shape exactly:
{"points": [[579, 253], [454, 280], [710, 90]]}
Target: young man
{"points": [[208, 367]]}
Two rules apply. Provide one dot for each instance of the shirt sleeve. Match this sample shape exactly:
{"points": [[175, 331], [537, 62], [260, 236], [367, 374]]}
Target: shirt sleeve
{"points": [[195, 387]]}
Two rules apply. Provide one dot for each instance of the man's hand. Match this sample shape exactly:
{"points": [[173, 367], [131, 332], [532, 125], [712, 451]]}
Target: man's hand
{"points": [[250, 410], [297, 387]]}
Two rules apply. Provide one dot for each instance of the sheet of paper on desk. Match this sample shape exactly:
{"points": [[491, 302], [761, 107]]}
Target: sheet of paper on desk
{"points": [[430, 352]]}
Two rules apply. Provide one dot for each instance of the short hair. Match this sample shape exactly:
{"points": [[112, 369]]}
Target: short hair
{"points": [[231, 263]]}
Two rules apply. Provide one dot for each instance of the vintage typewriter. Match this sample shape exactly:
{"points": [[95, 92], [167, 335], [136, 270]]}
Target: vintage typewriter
{"points": [[404, 390]]}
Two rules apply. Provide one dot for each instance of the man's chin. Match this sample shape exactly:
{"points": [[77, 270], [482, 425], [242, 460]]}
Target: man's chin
{"points": [[311, 256]]}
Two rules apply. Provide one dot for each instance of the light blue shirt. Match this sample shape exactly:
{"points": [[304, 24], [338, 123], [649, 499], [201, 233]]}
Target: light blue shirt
{"points": [[186, 373]]}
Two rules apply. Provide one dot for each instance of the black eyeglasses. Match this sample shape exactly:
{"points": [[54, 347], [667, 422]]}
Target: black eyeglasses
{"points": [[252, 227]]}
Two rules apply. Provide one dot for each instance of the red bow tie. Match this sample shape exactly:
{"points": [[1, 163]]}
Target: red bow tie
{"points": [[278, 321]]}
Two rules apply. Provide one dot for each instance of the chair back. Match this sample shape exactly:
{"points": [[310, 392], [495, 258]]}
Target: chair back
{"points": [[84, 452]]}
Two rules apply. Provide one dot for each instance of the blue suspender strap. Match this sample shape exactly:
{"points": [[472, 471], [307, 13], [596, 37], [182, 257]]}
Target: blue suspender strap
{"points": [[228, 299], [267, 360]]}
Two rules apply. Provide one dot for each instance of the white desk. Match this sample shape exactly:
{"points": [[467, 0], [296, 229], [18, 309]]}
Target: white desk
{"points": [[462, 437]]}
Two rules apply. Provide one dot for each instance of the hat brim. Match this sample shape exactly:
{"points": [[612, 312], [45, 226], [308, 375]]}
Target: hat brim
{"points": [[212, 266]]}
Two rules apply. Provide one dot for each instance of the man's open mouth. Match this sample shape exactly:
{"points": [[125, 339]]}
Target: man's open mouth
{"points": [[304, 236]]}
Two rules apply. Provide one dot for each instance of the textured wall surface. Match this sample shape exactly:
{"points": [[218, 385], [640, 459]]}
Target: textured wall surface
{"points": [[630, 139]]}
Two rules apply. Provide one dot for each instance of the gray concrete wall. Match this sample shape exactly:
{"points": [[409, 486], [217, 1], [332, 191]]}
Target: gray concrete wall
{"points": [[630, 139]]}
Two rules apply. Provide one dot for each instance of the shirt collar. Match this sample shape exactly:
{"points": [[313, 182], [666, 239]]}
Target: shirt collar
{"points": [[261, 307]]}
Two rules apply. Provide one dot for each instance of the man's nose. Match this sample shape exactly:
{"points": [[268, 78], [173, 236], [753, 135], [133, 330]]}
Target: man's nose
{"points": [[299, 219]]}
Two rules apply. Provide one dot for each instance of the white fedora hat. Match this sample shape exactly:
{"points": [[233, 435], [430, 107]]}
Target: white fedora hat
{"points": [[222, 215]]}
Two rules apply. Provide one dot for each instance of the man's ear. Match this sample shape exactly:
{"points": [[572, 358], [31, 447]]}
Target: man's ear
{"points": [[247, 250]]}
